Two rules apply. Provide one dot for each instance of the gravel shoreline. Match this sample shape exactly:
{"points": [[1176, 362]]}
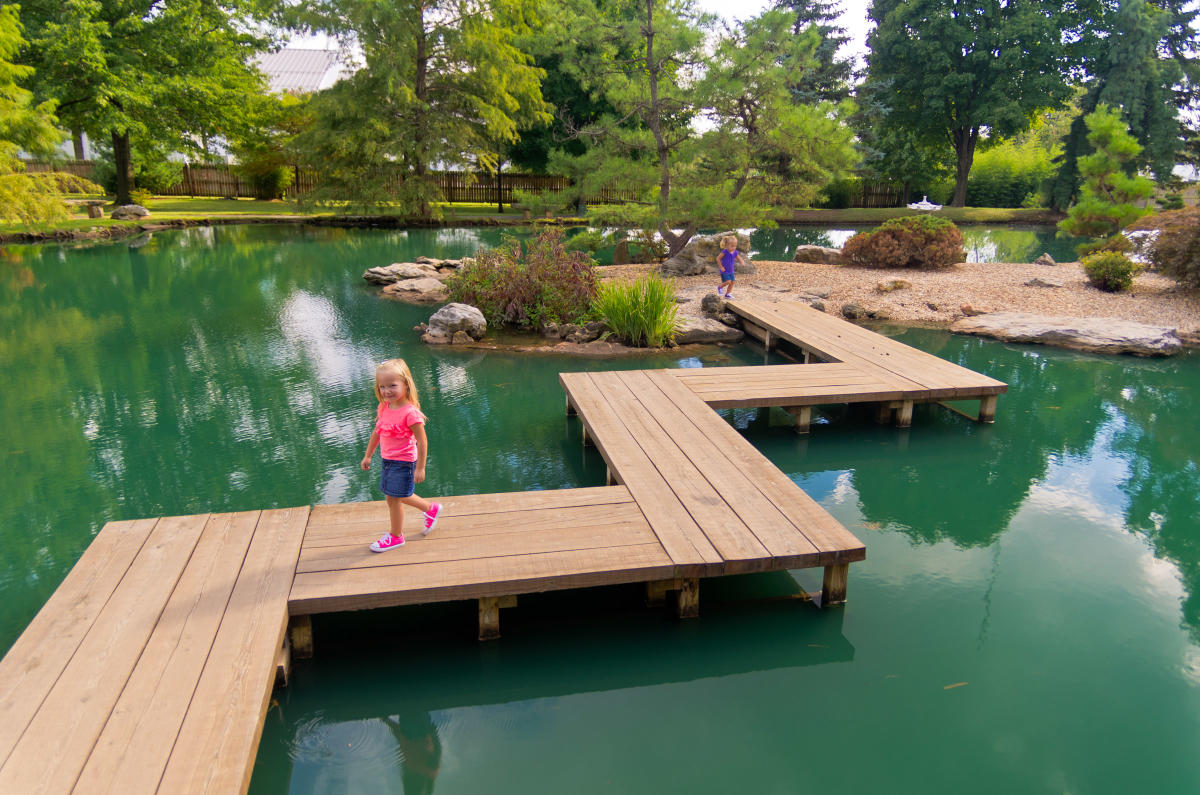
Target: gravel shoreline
{"points": [[937, 298]]}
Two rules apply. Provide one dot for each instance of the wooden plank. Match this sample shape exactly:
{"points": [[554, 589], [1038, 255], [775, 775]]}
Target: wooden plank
{"points": [[832, 540], [136, 741], [219, 737], [457, 526], [358, 589], [735, 485], [616, 532], [52, 751], [721, 525], [38, 657], [677, 531]]}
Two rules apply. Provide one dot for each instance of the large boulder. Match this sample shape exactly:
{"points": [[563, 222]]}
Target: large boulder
{"points": [[417, 291], [1045, 259], [818, 255], [399, 271], [458, 317], [130, 212], [1098, 335], [704, 329], [700, 256]]}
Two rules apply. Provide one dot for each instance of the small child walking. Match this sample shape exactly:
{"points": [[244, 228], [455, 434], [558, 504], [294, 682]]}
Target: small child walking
{"points": [[726, 260], [400, 436]]}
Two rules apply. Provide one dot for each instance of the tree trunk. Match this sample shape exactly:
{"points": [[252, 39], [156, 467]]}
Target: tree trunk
{"points": [[965, 139], [123, 162], [77, 144], [907, 194], [500, 187], [421, 90]]}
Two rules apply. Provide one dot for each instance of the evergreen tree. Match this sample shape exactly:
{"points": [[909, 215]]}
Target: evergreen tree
{"points": [[828, 79]]}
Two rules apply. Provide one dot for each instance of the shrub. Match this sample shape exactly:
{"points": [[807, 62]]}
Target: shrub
{"points": [[1171, 201], [1110, 271], [1007, 175], [542, 284], [640, 312], [913, 241], [1176, 250]]}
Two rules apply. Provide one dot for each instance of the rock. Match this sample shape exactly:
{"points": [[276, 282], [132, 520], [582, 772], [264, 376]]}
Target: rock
{"points": [[589, 332], [418, 291], [817, 304], [681, 299], [399, 271], [816, 292], [565, 330], [879, 314], [729, 319], [461, 338], [853, 311], [432, 261], [700, 256], [550, 331], [458, 317], [1045, 259], [818, 255], [705, 329], [435, 339], [892, 286], [421, 328], [129, 212], [971, 311], [933, 306], [1098, 335], [1038, 281], [712, 305]]}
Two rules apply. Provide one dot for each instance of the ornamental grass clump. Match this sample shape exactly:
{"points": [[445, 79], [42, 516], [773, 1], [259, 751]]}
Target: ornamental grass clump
{"points": [[640, 312], [528, 286], [1110, 271], [913, 241]]}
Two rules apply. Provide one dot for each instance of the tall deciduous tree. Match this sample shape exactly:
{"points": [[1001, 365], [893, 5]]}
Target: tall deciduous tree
{"points": [[442, 83], [168, 73], [956, 70]]}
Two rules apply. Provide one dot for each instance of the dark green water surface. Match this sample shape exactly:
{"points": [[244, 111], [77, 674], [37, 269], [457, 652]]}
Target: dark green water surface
{"points": [[1027, 620]]}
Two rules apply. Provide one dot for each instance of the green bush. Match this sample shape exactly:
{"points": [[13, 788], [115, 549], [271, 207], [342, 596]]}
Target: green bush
{"points": [[1110, 271], [1171, 201], [912, 241], [544, 283], [1007, 175], [639, 312], [1176, 250], [837, 195]]}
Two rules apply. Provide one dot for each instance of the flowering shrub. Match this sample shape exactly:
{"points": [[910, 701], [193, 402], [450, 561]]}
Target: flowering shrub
{"points": [[1110, 271], [540, 284], [914, 241]]}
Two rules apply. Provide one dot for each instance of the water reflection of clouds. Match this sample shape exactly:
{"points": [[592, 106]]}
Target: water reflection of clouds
{"points": [[312, 324]]}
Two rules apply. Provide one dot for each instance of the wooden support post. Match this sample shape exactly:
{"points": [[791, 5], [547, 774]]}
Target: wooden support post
{"points": [[301, 636], [883, 413], [489, 618], [802, 415], [904, 414], [609, 478], [283, 662], [769, 342], [987, 409], [656, 591], [807, 357], [689, 598], [570, 409], [833, 588], [587, 440]]}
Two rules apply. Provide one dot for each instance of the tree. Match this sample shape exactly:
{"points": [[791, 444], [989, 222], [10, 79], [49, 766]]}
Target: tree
{"points": [[890, 150], [1107, 201], [1136, 58], [828, 79], [954, 71], [26, 127], [170, 74], [442, 83]]}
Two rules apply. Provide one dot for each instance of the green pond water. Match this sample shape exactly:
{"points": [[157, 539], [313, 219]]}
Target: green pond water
{"points": [[1027, 620]]}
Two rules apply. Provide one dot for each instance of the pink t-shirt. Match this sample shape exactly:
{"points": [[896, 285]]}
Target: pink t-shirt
{"points": [[396, 442]]}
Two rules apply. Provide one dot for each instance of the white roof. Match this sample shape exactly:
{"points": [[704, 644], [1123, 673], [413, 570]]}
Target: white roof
{"points": [[299, 70]]}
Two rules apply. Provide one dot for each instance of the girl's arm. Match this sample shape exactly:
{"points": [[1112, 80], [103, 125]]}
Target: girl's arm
{"points": [[418, 432], [371, 445], [743, 259]]}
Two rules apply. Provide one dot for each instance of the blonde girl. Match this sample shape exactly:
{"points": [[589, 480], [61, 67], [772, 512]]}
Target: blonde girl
{"points": [[400, 435], [726, 261]]}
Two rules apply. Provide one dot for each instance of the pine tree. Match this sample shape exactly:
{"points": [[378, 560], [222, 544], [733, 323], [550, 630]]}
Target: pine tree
{"points": [[828, 79]]}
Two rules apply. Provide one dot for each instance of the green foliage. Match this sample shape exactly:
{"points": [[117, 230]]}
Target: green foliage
{"points": [[1106, 202], [915, 241], [442, 83], [838, 193], [828, 78], [1110, 271], [1176, 251], [1007, 174], [541, 284], [264, 150], [641, 312], [1171, 201]]}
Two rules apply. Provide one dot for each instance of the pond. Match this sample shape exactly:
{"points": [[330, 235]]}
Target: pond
{"points": [[1027, 619]]}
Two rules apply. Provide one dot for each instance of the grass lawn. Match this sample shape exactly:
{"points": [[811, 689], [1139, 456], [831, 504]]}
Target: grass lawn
{"points": [[960, 215]]}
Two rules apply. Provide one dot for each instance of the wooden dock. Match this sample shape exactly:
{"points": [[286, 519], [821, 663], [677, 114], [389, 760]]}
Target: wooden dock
{"points": [[151, 667]]}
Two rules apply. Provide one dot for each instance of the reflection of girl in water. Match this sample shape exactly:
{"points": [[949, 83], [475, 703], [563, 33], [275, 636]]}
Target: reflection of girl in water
{"points": [[420, 750]]}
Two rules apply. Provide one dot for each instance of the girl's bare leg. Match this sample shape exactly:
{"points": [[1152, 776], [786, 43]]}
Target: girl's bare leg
{"points": [[416, 502], [396, 514]]}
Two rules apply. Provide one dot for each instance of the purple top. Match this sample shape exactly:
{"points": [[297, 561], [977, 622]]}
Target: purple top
{"points": [[728, 259]]}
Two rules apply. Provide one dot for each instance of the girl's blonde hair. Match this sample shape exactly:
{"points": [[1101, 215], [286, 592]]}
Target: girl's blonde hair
{"points": [[398, 367], [725, 240]]}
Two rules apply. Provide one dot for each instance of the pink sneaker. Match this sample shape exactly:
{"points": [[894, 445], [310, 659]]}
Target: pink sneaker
{"points": [[387, 541], [431, 517]]}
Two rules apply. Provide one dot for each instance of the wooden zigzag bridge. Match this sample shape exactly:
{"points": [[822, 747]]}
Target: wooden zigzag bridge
{"points": [[150, 669]]}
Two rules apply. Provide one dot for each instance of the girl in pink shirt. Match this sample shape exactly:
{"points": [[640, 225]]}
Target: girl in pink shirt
{"points": [[400, 435]]}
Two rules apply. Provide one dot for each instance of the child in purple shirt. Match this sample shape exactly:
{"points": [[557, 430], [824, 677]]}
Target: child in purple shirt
{"points": [[726, 261]]}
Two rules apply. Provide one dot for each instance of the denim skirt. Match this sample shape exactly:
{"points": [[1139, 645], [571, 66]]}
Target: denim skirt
{"points": [[397, 478]]}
